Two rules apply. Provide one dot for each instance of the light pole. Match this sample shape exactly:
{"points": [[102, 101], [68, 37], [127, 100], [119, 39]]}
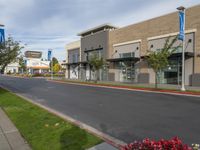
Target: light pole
{"points": [[181, 10]]}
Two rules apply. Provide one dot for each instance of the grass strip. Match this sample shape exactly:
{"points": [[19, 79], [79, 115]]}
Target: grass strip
{"points": [[43, 130]]}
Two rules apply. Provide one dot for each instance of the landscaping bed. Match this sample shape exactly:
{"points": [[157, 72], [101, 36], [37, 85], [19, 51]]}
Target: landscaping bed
{"points": [[43, 130]]}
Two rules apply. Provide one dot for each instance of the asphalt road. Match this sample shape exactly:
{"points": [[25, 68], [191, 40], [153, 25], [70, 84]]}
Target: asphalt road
{"points": [[125, 115]]}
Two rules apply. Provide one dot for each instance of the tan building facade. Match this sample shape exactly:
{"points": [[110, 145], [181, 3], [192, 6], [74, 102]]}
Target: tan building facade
{"points": [[126, 47], [152, 33]]}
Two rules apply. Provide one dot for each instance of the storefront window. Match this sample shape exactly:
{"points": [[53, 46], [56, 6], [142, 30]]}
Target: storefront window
{"points": [[75, 58], [171, 74], [125, 55], [91, 54]]}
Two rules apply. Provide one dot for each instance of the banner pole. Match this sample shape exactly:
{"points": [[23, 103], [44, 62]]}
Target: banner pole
{"points": [[182, 38], [51, 64]]}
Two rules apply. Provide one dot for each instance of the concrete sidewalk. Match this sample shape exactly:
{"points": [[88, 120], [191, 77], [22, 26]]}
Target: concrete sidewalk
{"points": [[103, 146], [10, 138]]}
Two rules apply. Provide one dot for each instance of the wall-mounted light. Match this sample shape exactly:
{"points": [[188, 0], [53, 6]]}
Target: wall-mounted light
{"points": [[151, 46], [137, 48], [190, 41], [114, 53]]}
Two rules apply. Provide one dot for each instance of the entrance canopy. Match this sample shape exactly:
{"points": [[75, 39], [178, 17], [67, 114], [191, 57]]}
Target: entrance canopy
{"points": [[135, 59], [179, 55]]}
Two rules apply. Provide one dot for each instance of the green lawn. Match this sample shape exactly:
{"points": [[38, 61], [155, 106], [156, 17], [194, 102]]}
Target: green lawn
{"points": [[43, 130]]}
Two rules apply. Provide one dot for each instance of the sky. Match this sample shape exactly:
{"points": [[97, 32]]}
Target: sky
{"points": [[51, 24]]}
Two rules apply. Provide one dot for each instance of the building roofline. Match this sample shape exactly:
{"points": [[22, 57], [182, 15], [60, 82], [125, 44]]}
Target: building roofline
{"points": [[33, 51], [73, 42], [73, 45], [96, 28]]}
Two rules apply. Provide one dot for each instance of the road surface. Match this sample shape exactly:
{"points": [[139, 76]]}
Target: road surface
{"points": [[125, 115]]}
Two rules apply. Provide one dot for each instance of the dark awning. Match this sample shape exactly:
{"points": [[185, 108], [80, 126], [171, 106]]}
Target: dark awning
{"points": [[84, 62], [124, 59], [90, 50], [179, 55], [68, 64]]}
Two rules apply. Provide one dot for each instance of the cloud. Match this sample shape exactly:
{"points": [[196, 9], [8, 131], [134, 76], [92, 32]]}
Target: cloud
{"points": [[153, 9], [44, 24]]}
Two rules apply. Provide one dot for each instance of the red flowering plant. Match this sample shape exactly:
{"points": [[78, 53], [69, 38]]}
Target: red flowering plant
{"points": [[147, 144]]}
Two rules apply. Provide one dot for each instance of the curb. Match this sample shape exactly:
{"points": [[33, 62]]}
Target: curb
{"points": [[131, 89], [105, 137]]}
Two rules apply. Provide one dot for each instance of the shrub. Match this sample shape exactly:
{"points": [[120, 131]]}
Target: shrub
{"points": [[37, 75], [147, 144], [9, 72]]}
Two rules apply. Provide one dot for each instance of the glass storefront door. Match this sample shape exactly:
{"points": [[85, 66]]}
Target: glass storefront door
{"points": [[172, 74], [127, 71]]}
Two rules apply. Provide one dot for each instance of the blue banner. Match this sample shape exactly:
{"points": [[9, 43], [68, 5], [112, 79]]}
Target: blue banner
{"points": [[2, 36], [181, 35], [49, 55]]}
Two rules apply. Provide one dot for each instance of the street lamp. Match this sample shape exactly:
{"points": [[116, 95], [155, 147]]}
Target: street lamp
{"points": [[181, 10]]}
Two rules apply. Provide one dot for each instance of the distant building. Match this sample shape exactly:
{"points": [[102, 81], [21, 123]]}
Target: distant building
{"points": [[35, 64], [12, 68]]}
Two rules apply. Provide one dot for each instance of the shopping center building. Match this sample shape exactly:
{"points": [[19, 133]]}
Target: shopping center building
{"points": [[124, 49]]}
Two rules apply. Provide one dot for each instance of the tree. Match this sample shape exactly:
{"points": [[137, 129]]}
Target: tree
{"points": [[56, 67], [96, 63], [22, 65], [158, 60], [9, 50], [54, 60]]}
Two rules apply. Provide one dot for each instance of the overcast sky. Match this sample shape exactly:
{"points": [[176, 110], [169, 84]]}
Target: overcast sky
{"points": [[44, 24]]}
